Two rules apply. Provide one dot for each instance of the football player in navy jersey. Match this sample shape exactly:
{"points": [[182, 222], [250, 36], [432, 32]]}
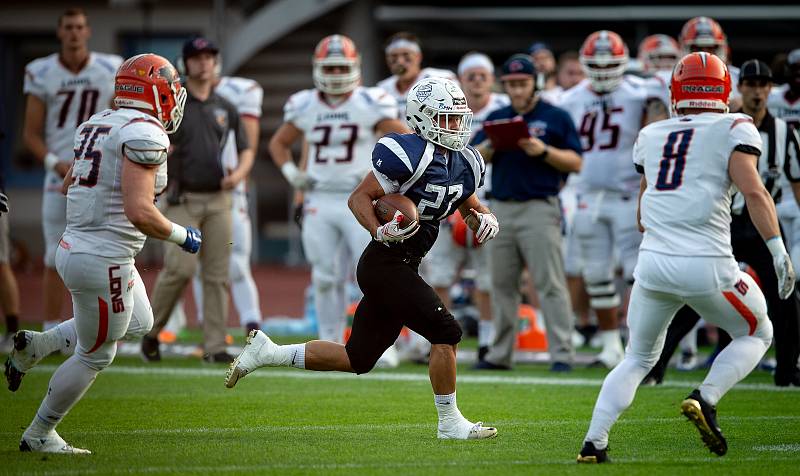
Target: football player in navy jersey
{"points": [[439, 172]]}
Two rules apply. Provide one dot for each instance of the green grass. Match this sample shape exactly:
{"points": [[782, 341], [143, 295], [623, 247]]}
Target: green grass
{"points": [[177, 417]]}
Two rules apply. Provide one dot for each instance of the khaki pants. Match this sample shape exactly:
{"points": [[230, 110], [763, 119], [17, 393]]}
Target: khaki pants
{"points": [[211, 213], [530, 235]]}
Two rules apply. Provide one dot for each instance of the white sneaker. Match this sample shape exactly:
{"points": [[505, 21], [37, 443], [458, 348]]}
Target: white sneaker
{"points": [[28, 350], [389, 360], [258, 352], [466, 430], [52, 443]]}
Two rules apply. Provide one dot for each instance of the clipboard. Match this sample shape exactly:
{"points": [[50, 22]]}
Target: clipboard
{"points": [[505, 133]]}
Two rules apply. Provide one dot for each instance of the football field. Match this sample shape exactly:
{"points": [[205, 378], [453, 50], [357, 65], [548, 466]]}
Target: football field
{"points": [[177, 417]]}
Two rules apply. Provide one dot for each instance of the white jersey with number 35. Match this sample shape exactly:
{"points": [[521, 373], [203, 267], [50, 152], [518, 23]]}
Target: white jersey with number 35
{"points": [[686, 206], [96, 220], [608, 124], [340, 137]]}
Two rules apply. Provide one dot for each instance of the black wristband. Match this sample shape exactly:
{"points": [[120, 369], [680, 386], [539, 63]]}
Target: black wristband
{"points": [[544, 154]]}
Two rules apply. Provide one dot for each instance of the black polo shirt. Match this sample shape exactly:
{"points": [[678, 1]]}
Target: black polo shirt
{"points": [[195, 164]]}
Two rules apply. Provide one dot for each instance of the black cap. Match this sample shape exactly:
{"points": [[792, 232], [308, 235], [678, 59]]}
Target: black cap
{"points": [[198, 45], [754, 69], [518, 66]]}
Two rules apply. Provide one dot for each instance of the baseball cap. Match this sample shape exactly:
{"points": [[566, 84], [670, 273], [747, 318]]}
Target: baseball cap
{"points": [[518, 66], [538, 46], [198, 45], [794, 57], [754, 69]]}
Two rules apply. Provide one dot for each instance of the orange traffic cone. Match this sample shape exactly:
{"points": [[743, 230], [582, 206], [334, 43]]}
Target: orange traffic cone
{"points": [[529, 335]]}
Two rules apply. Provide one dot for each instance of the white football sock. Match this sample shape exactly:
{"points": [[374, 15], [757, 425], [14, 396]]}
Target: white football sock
{"points": [[67, 385], [447, 408], [616, 395], [292, 355], [245, 299], [733, 364], [485, 333], [330, 312], [62, 337]]}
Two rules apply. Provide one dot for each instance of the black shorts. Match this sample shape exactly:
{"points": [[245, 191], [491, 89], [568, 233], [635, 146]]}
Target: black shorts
{"points": [[394, 296]]}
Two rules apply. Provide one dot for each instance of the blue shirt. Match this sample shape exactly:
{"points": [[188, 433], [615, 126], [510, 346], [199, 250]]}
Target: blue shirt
{"points": [[437, 180], [516, 175]]}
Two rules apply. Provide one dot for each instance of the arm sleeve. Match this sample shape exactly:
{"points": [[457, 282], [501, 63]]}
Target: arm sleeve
{"points": [[34, 85], [390, 164], [791, 165], [744, 133]]}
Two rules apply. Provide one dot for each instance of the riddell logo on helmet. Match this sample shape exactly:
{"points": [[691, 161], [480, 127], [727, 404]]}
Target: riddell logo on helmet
{"points": [[130, 88], [694, 88]]}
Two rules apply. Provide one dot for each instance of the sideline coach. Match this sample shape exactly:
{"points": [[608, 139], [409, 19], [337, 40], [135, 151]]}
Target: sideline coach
{"points": [[525, 185]]}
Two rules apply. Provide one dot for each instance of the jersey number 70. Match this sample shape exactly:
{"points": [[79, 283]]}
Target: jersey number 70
{"points": [[673, 160]]}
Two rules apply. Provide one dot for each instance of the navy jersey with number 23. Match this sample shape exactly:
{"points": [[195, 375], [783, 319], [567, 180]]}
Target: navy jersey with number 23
{"points": [[437, 180]]}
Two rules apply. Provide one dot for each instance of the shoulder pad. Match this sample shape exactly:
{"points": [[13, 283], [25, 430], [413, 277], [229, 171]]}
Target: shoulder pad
{"points": [[144, 141], [297, 103]]}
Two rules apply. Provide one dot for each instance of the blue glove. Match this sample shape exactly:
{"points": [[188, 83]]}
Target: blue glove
{"points": [[193, 240]]}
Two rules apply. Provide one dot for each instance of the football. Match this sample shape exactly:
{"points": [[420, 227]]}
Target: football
{"points": [[388, 204]]}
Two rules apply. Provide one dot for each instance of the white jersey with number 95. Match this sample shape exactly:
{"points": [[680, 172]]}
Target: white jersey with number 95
{"points": [[686, 206], [96, 220]]}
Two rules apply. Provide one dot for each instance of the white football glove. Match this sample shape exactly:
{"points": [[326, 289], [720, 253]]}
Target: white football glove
{"points": [[488, 227], [296, 177], [390, 232], [783, 266]]}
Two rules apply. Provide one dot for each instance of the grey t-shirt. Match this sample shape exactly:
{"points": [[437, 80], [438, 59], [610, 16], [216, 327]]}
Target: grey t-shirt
{"points": [[195, 164]]}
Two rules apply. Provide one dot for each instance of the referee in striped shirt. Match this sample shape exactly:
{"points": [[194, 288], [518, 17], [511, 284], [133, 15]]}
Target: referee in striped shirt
{"points": [[779, 159]]}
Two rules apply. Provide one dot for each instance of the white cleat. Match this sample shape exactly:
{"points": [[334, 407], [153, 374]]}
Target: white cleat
{"points": [[52, 443], [258, 352], [465, 430], [389, 360]]}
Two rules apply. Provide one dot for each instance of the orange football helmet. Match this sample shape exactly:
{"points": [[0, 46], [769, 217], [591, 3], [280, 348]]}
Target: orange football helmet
{"points": [[700, 81], [704, 34], [336, 50], [659, 53], [604, 57], [150, 82]]}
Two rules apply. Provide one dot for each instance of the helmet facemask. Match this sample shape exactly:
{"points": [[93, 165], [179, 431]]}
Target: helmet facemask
{"points": [[605, 72], [337, 83]]}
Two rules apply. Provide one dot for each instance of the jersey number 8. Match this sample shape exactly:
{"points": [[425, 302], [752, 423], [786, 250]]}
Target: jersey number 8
{"points": [[673, 160]]}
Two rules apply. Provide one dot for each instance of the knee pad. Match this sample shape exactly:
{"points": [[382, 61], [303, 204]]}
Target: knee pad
{"points": [[322, 280], [141, 323], [603, 295], [100, 358], [764, 332], [239, 266], [450, 333]]}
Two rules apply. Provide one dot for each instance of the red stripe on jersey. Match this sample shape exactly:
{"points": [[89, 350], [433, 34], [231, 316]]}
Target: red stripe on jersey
{"points": [[743, 310], [102, 326], [740, 120]]}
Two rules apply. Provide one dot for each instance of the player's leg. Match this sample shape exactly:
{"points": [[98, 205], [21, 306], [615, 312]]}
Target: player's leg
{"points": [[595, 236], [483, 300], [441, 264], [741, 310], [179, 268], [682, 324], [540, 243], [243, 286], [9, 291], [102, 303], [321, 243], [648, 316], [54, 222], [505, 263]]}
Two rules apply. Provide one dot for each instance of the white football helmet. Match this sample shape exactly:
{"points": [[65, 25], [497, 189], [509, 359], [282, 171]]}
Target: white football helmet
{"points": [[336, 50], [436, 109]]}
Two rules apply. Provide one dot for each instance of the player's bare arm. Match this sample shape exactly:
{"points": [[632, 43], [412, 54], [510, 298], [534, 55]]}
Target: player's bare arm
{"points": [[138, 199], [743, 172], [391, 125], [642, 188], [479, 218], [280, 149], [246, 157], [33, 135], [68, 179], [655, 110], [360, 202], [561, 159], [486, 150]]}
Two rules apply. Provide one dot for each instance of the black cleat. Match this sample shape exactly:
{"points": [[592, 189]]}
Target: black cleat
{"points": [[704, 417], [218, 358], [150, 350], [591, 455]]}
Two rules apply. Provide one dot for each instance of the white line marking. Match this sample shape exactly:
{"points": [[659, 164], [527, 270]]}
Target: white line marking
{"points": [[391, 376], [790, 448]]}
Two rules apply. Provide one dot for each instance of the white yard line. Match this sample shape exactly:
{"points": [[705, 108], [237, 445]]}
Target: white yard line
{"points": [[392, 376]]}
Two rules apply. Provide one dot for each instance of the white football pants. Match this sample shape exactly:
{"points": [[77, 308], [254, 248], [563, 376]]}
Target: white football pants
{"points": [[720, 293], [54, 217], [329, 226]]}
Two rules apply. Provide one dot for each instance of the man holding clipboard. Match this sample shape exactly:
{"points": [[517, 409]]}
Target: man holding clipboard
{"points": [[533, 146]]}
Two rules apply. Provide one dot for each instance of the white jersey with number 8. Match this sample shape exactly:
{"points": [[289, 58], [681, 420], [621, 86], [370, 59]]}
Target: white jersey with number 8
{"points": [[96, 220], [686, 206]]}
